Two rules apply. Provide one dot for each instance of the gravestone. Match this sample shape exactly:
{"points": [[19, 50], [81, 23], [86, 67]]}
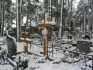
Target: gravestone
{"points": [[83, 46], [11, 46]]}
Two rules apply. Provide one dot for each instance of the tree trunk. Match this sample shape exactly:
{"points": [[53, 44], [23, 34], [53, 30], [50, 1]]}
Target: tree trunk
{"points": [[2, 26], [92, 14], [84, 25], [0, 17], [27, 20], [18, 19], [88, 14], [69, 12], [30, 21], [60, 29]]}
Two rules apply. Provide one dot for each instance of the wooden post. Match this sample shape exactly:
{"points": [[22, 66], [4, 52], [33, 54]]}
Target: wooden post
{"points": [[44, 32], [46, 46], [25, 49], [25, 41]]}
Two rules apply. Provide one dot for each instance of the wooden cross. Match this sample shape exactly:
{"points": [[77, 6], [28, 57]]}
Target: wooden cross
{"points": [[45, 25]]}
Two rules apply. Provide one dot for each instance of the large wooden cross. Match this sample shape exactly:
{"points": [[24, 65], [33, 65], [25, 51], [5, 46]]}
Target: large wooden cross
{"points": [[45, 39]]}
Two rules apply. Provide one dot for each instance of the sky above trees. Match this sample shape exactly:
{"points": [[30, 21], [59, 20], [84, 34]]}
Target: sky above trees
{"points": [[14, 1], [74, 4]]}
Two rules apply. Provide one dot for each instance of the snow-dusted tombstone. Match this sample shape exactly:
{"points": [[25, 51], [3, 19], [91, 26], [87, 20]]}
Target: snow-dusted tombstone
{"points": [[83, 46], [11, 45]]}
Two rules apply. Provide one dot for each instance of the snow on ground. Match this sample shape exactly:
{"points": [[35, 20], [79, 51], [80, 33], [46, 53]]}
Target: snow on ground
{"points": [[39, 62], [6, 67]]}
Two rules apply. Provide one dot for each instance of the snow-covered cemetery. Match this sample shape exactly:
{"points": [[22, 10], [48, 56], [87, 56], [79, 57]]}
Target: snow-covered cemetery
{"points": [[46, 34]]}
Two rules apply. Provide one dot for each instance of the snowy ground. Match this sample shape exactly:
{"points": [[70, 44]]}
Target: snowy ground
{"points": [[39, 63]]}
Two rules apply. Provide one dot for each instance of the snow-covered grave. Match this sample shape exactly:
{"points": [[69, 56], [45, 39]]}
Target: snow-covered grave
{"points": [[61, 56]]}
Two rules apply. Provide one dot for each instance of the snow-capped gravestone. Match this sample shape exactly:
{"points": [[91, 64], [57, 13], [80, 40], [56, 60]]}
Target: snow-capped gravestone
{"points": [[11, 45]]}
